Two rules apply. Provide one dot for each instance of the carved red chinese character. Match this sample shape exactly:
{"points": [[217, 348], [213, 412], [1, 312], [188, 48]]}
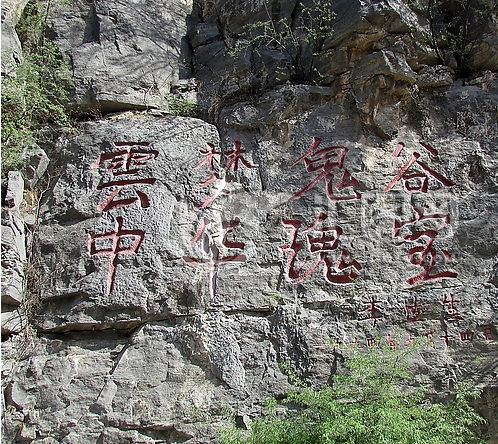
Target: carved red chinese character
{"points": [[419, 216], [372, 310], [117, 245], [424, 255], [325, 160], [235, 156], [411, 340], [372, 342], [110, 202], [221, 178], [217, 190], [449, 304], [126, 162], [337, 343], [212, 252], [446, 337], [413, 310], [467, 336], [356, 344], [209, 158], [414, 182], [391, 342], [488, 334], [319, 245], [430, 339]]}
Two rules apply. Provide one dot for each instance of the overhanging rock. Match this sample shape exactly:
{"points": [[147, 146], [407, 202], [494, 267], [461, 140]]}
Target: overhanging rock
{"points": [[123, 57]]}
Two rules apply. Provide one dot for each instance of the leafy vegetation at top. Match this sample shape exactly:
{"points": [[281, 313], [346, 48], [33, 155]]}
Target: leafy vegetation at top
{"points": [[298, 40], [35, 90], [463, 21], [366, 405]]}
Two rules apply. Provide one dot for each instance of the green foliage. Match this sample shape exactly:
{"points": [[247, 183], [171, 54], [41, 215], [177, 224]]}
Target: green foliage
{"points": [[297, 39], [463, 22], [291, 373], [366, 405], [35, 92], [184, 107]]}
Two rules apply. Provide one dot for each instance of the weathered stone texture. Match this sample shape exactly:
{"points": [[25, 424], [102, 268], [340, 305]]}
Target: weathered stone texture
{"points": [[295, 321], [179, 287], [13, 255], [71, 213], [11, 46], [123, 56]]}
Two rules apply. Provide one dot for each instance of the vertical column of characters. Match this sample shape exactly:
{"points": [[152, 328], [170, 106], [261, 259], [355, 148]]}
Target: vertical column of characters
{"points": [[123, 165]]}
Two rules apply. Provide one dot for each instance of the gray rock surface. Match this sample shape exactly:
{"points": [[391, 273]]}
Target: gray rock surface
{"points": [[177, 279], [35, 165], [122, 56], [11, 46], [14, 192], [186, 267], [13, 255]]}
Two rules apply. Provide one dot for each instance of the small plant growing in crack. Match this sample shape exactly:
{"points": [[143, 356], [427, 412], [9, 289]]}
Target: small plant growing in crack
{"points": [[299, 38]]}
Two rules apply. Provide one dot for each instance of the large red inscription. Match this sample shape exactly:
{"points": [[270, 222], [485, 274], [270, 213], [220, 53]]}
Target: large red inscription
{"points": [[326, 161], [424, 255], [416, 181], [321, 241], [124, 165], [116, 244], [211, 252], [221, 176]]}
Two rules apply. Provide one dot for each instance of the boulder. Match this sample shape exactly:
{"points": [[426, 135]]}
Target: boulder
{"points": [[434, 76], [122, 57], [15, 189], [35, 164]]}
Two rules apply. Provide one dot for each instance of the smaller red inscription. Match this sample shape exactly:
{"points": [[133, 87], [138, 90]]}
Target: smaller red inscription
{"points": [[488, 334], [372, 310], [372, 342], [391, 342], [430, 339], [413, 311], [467, 336], [449, 303], [446, 338], [356, 344], [410, 340]]}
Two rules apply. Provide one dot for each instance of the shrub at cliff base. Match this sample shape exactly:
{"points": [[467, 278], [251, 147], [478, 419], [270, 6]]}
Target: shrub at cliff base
{"points": [[366, 405]]}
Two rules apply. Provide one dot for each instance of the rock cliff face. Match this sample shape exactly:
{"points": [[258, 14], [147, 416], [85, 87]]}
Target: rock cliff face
{"points": [[337, 194]]}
